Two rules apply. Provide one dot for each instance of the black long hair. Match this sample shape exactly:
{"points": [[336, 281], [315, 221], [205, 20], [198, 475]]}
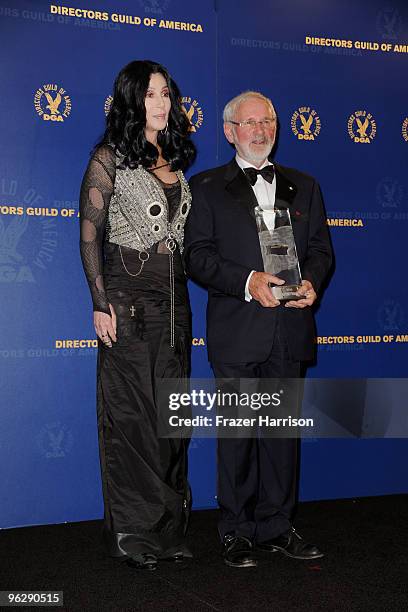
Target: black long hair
{"points": [[126, 121]]}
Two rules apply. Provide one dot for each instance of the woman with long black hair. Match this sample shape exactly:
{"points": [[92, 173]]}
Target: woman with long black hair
{"points": [[134, 203]]}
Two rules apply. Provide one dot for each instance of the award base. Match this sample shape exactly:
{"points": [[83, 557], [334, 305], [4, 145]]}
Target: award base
{"points": [[285, 292]]}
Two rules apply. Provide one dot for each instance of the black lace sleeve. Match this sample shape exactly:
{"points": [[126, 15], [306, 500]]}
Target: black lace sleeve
{"points": [[96, 191]]}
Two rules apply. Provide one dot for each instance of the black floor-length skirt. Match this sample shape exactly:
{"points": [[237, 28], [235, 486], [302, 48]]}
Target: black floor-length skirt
{"points": [[144, 476]]}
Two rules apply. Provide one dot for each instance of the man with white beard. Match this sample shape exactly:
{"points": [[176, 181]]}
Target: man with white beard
{"points": [[250, 333]]}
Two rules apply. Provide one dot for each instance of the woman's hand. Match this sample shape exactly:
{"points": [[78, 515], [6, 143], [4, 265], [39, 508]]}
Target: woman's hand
{"points": [[105, 326]]}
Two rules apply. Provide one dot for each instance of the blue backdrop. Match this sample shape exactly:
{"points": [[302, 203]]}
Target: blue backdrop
{"points": [[327, 92]]}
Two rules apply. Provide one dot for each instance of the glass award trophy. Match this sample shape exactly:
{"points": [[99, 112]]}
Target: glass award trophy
{"points": [[278, 250]]}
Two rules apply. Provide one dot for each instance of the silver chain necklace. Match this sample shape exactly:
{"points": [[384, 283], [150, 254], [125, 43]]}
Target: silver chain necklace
{"points": [[144, 257]]}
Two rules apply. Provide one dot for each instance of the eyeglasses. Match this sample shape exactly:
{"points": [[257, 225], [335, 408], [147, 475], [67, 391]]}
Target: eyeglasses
{"points": [[251, 123]]}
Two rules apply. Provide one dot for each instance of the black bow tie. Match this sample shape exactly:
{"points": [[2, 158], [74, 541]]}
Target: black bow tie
{"points": [[267, 173]]}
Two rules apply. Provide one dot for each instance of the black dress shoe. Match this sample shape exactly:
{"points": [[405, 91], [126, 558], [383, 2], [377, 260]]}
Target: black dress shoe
{"points": [[177, 554], [178, 557], [237, 551], [145, 562], [292, 545]]}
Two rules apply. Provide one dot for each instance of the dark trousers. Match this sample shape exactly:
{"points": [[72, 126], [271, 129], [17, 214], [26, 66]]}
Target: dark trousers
{"points": [[257, 477]]}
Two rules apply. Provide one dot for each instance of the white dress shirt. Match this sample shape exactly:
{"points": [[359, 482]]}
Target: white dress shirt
{"points": [[265, 194]]}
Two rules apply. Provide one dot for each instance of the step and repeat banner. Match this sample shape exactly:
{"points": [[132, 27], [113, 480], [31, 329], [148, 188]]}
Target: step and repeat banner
{"points": [[59, 62], [340, 92], [336, 73]]}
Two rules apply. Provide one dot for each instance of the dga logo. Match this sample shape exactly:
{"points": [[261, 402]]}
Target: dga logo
{"points": [[389, 23], [23, 254], [108, 104], [362, 127], [391, 316], [52, 103], [198, 342], [154, 6], [195, 444], [389, 192], [55, 440], [305, 123], [405, 129], [194, 113]]}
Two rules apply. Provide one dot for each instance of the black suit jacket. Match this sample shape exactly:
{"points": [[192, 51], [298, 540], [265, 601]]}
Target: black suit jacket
{"points": [[222, 247]]}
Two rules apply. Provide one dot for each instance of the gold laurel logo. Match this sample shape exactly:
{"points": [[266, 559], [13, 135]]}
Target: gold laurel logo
{"points": [[107, 105], [52, 103], [362, 127], [405, 129], [193, 112], [305, 123]]}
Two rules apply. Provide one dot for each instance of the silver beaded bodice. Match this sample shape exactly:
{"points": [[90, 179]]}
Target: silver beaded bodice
{"points": [[138, 210]]}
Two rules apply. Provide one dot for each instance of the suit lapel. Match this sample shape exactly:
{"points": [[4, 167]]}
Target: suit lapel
{"points": [[285, 189], [239, 188]]}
